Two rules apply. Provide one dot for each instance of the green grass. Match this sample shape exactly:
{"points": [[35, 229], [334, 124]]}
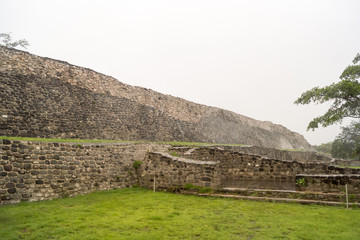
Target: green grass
{"points": [[72, 140], [354, 167], [142, 214]]}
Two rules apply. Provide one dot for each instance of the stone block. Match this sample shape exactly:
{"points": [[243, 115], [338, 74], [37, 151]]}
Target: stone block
{"points": [[20, 185], [10, 185], [6, 148], [34, 172], [18, 155], [16, 165], [26, 195], [12, 174], [8, 167], [39, 181], [29, 181], [6, 142]]}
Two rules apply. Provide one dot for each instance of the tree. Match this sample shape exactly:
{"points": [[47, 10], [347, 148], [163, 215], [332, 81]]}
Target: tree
{"points": [[324, 148], [344, 94], [347, 143], [6, 40]]}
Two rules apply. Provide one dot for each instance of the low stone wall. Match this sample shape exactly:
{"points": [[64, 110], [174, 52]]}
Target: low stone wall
{"points": [[328, 183], [170, 171], [33, 171], [242, 170], [287, 155], [349, 163]]}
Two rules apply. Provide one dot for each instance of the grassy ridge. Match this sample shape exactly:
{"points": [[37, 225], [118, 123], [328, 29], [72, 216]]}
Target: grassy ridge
{"points": [[142, 214], [108, 141]]}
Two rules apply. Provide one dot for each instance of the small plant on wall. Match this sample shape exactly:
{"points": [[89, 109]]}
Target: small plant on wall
{"points": [[136, 167], [301, 182]]}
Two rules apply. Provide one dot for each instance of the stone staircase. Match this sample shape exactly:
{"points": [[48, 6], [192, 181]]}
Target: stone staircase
{"points": [[289, 196]]}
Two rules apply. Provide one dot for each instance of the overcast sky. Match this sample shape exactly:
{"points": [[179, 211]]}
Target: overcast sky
{"points": [[251, 57]]}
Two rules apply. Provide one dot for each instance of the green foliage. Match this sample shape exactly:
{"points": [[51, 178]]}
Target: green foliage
{"points": [[347, 143], [8, 42], [199, 189], [324, 148], [111, 141], [352, 167], [344, 95], [141, 214], [174, 154], [189, 186], [136, 165], [301, 182]]}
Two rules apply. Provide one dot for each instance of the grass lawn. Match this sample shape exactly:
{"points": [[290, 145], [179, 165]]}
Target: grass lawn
{"points": [[142, 214], [73, 140]]}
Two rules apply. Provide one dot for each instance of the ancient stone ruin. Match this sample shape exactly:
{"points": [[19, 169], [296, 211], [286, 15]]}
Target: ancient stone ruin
{"points": [[46, 98], [33, 171], [42, 97]]}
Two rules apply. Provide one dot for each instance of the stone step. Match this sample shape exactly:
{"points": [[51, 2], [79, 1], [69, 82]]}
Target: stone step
{"points": [[273, 199], [289, 194]]}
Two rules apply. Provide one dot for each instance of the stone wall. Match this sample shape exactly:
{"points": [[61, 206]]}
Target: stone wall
{"points": [[287, 155], [43, 97], [39, 107], [243, 170], [170, 171], [343, 162], [33, 171], [328, 182]]}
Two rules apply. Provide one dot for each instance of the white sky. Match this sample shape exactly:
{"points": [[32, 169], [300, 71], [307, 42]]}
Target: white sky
{"points": [[251, 57]]}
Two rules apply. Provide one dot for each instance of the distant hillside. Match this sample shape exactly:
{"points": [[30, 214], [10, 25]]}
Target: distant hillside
{"points": [[42, 97]]}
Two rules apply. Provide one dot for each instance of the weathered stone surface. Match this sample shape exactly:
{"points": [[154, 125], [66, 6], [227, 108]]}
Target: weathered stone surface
{"points": [[40, 179], [20, 185], [27, 166], [8, 167], [328, 182], [231, 169], [12, 190], [82, 103], [107, 166], [10, 185]]}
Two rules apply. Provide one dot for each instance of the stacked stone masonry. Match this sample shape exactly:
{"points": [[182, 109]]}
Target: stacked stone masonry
{"points": [[328, 182], [33, 171], [220, 168], [169, 171], [43, 97]]}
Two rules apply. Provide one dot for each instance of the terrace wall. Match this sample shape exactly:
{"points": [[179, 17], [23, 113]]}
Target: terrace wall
{"points": [[33, 171], [328, 182]]}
